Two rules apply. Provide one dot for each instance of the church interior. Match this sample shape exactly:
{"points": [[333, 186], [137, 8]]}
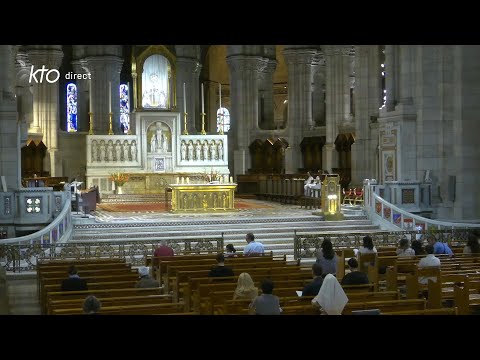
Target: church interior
{"points": [[108, 152]]}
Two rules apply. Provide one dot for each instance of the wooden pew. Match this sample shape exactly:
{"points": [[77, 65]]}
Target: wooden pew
{"points": [[143, 309]]}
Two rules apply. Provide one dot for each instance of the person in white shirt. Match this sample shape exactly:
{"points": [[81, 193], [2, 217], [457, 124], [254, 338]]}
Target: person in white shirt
{"points": [[253, 248], [404, 248], [429, 261], [367, 248]]}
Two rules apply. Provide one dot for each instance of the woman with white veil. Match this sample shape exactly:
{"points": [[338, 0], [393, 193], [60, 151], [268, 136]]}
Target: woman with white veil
{"points": [[331, 298]]}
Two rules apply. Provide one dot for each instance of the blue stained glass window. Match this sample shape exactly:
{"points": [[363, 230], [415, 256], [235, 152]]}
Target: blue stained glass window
{"points": [[124, 108], [72, 124], [223, 119]]}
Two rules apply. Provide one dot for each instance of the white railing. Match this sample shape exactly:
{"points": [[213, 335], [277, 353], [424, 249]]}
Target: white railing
{"points": [[383, 212]]}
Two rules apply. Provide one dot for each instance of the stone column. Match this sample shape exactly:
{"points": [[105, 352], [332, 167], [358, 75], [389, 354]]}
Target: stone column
{"points": [[10, 158], [367, 103], [45, 100], [83, 123], [244, 71], [105, 69], [406, 68], [390, 77], [318, 95], [188, 72], [300, 63], [24, 94], [266, 95]]}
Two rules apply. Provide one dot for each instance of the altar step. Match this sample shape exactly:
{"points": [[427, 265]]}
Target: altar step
{"points": [[132, 198], [275, 233]]}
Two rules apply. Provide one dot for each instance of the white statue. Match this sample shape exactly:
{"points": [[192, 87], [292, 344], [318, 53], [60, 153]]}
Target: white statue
{"points": [[133, 149], [198, 150], [159, 139], [153, 143], [213, 150], [190, 150], [125, 151], [205, 150], [164, 143], [183, 151], [94, 151], [102, 150], [110, 151], [118, 149], [220, 150]]}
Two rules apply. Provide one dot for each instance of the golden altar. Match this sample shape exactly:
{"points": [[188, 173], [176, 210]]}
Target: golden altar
{"points": [[203, 197]]}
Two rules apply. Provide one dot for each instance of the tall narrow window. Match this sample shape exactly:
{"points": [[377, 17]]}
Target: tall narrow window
{"points": [[383, 99], [72, 124], [223, 120], [124, 108]]}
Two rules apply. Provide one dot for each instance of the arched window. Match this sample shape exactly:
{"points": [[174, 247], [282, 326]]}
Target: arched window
{"points": [[72, 124], [155, 84], [223, 120], [124, 108]]}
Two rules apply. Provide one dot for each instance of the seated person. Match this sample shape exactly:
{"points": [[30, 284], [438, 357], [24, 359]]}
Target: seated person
{"points": [[246, 289], [267, 303], [428, 261], [439, 247], [331, 298], [91, 305], [473, 246], [230, 251], [74, 282], [254, 248], [146, 281], [220, 270], [327, 258], [354, 277], [404, 248], [313, 288]]}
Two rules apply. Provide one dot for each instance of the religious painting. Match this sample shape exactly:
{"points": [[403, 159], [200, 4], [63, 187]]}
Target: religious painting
{"points": [[388, 165], [159, 164], [159, 138]]}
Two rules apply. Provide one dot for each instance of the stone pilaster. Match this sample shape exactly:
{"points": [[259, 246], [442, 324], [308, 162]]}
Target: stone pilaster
{"points": [[9, 127], [105, 70], [300, 63], [266, 96], [244, 72], [390, 76], [23, 90], [318, 106], [188, 72], [367, 103], [45, 102]]}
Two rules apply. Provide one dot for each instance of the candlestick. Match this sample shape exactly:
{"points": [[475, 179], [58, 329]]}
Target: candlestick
{"points": [[184, 100], [203, 132], [90, 132], [203, 108], [90, 96], [110, 96], [110, 129]]}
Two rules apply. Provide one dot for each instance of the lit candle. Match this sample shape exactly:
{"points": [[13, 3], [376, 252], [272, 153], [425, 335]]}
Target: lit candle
{"points": [[220, 95], [109, 96], [184, 100], [203, 109], [177, 180], [90, 95], [231, 179], [188, 180]]}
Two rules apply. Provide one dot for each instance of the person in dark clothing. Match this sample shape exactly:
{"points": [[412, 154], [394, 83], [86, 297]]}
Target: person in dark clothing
{"points": [[220, 270], [74, 282], [313, 288], [354, 277]]}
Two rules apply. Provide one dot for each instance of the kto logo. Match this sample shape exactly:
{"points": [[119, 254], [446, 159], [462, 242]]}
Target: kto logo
{"points": [[46, 72]]}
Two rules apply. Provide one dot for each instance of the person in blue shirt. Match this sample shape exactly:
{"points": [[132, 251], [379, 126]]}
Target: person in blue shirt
{"points": [[439, 247], [253, 248]]}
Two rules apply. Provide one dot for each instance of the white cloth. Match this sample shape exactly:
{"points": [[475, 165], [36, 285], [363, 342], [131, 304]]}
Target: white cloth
{"points": [[331, 296]]}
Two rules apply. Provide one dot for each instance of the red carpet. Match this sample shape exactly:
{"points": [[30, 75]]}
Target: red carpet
{"points": [[159, 207]]}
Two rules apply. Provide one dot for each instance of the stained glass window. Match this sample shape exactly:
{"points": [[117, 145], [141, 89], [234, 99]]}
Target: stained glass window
{"points": [[124, 108], [155, 82], [223, 120], [72, 125]]}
